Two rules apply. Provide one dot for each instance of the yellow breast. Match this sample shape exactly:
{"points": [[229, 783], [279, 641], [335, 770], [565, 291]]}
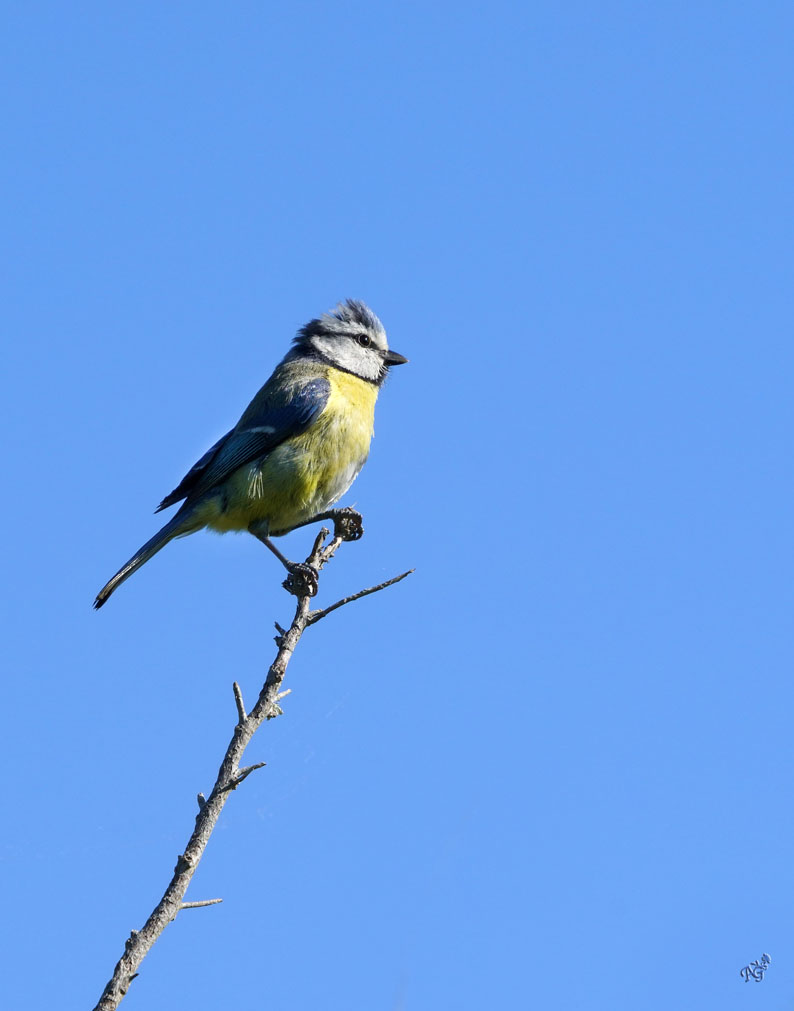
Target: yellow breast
{"points": [[307, 474]]}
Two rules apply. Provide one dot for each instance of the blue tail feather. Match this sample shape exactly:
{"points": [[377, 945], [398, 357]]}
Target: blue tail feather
{"points": [[176, 526]]}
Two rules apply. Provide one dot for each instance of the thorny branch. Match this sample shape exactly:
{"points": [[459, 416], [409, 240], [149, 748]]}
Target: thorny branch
{"points": [[230, 775]]}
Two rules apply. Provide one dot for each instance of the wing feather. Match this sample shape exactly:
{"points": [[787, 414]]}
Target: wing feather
{"points": [[262, 428], [188, 482]]}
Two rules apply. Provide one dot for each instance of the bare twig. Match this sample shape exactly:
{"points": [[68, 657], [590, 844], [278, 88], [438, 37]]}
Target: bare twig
{"points": [[244, 774], [198, 905], [315, 616], [230, 776], [238, 701]]}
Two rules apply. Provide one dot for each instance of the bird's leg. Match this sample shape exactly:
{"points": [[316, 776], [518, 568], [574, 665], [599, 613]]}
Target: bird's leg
{"points": [[302, 578], [348, 524]]}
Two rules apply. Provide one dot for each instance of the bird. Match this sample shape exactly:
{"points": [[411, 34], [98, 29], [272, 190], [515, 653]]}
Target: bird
{"points": [[296, 449]]}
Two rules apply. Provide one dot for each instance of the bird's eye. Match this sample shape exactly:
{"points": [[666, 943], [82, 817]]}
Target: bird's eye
{"points": [[364, 340]]}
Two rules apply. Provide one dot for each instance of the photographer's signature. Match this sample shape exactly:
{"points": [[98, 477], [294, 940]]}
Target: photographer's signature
{"points": [[755, 970]]}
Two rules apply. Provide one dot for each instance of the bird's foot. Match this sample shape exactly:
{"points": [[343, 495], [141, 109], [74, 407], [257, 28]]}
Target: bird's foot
{"points": [[302, 580], [348, 524]]}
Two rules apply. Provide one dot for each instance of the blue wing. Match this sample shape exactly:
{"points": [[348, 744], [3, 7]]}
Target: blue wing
{"points": [[190, 479], [263, 427]]}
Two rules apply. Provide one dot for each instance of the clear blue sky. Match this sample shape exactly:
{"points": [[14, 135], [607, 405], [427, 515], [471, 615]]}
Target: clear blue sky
{"points": [[554, 768]]}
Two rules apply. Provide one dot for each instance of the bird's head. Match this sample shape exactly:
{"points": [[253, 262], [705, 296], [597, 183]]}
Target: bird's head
{"points": [[352, 338]]}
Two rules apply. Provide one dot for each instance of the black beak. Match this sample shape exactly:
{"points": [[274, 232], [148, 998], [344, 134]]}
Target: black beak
{"points": [[392, 358]]}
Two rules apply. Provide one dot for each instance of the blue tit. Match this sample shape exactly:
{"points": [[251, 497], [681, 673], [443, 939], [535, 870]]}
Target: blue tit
{"points": [[298, 446]]}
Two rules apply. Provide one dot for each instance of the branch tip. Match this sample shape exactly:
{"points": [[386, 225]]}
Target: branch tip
{"points": [[238, 701], [315, 616], [242, 775]]}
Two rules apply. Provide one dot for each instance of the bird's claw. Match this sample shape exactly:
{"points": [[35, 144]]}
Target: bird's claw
{"points": [[302, 580], [348, 524]]}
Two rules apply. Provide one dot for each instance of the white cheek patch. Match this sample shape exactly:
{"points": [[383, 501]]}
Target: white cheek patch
{"points": [[342, 352]]}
